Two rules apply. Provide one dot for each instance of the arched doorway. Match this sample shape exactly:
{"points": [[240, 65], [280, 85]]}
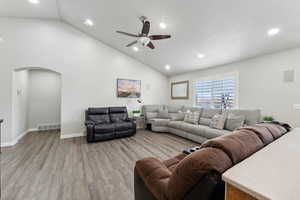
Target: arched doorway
{"points": [[36, 101]]}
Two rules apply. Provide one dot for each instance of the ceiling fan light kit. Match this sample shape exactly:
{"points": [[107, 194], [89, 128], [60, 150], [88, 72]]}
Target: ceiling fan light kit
{"points": [[144, 38]]}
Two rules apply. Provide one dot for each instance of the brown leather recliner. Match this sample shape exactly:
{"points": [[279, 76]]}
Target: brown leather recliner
{"points": [[198, 176]]}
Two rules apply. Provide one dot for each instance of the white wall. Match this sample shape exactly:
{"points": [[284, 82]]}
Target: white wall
{"points": [[88, 68], [44, 100], [20, 93], [261, 84]]}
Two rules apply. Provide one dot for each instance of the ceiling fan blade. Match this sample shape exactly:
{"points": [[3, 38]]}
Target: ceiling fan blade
{"points": [[146, 27], [132, 43], [159, 37], [128, 34], [150, 45]]}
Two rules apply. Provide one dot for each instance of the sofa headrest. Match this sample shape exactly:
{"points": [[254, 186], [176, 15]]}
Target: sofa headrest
{"points": [[174, 109], [117, 110], [152, 108], [97, 111], [247, 140], [192, 109], [209, 113], [252, 117], [237, 145]]}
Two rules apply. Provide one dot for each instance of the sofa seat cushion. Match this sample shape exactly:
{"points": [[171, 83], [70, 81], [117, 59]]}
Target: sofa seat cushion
{"points": [[210, 133], [201, 130], [120, 126], [159, 122], [187, 127], [104, 128]]}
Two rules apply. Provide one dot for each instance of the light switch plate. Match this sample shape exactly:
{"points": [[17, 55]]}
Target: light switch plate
{"points": [[297, 106]]}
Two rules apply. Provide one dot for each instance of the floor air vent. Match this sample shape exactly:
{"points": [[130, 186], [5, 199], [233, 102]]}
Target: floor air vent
{"points": [[48, 127]]}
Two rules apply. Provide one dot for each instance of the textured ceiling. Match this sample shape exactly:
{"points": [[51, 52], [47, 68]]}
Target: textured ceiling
{"points": [[225, 31]]}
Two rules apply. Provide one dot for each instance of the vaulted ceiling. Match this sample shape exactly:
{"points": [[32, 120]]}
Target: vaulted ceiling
{"points": [[225, 31]]}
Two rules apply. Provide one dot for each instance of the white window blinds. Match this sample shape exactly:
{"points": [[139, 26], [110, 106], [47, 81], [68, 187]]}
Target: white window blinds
{"points": [[219, 93]]}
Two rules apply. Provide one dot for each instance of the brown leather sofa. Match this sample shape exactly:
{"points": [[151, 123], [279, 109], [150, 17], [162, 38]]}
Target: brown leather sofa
{"points": [[198, 176]]}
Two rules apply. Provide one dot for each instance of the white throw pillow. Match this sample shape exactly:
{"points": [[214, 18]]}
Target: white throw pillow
{"points": [[218, 121], [192, 117], [177, 116]]}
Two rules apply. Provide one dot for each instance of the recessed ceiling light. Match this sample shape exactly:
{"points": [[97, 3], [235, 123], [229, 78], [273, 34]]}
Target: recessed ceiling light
{"points": [[168, 67], [136, 49], [88, 22], [273, 31], [162, 25], [34, 1], [200, 55]]}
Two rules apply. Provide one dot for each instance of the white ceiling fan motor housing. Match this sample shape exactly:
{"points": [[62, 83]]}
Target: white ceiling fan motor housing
{"points": [[144, 40]]}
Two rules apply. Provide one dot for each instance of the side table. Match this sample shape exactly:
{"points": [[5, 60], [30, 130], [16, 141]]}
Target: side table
{"points": [[140, 122]]}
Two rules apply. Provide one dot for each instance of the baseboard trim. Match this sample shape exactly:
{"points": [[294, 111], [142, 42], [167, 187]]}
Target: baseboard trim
{"points": [[15, 141], [32, 130], [8, 144], [73, 135]]}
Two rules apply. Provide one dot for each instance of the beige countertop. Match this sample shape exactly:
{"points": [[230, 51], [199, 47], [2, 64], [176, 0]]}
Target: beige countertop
{"points": [[271, 173]]}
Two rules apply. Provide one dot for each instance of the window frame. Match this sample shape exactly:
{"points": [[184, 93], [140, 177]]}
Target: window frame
{"points": [[216, 78]]}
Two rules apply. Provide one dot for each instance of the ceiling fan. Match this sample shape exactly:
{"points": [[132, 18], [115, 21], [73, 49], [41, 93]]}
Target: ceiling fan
{"points": [[144, 38]]}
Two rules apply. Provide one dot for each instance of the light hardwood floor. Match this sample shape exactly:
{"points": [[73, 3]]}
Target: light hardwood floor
{"points": [[43, 167]]}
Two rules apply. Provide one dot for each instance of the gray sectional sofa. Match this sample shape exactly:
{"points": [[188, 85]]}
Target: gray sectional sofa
{"points": [[170, 119]]}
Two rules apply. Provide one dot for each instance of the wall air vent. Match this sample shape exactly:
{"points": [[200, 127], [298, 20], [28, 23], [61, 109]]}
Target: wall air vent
{"points": [[289, 76]]}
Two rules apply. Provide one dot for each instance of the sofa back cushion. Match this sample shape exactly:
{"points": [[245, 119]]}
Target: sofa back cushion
{"points": [[118, 114], [234, 122], [98, 115], [151, 111], [252, 117], [163, 113], [205, 121], [174, 109], [192, 117], [192, 109], [207, 115]]}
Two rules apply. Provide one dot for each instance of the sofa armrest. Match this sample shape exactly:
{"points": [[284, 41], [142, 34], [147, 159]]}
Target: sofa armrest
{"points": [[90, 132], [155, 175]]}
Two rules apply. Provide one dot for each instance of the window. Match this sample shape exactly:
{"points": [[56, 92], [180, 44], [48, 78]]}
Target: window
{"points": [[218, 93]]}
